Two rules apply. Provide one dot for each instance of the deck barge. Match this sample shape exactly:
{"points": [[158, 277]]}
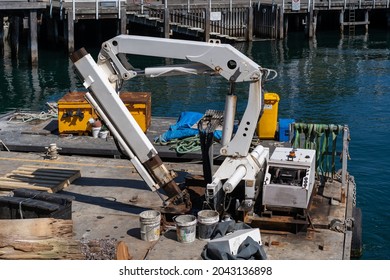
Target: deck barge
{"points": [[110, 195]]}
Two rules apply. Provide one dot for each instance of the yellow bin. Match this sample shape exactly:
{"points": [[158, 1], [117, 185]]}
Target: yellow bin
{"points": [[74, 111], [267, 125]]}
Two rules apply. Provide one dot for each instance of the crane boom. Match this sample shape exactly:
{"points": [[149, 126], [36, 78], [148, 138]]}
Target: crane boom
{"points": [[104, 78]]}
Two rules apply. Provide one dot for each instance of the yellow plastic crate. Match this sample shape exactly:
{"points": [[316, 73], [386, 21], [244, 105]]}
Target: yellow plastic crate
{"points": [[74, 111], [267, 125]]}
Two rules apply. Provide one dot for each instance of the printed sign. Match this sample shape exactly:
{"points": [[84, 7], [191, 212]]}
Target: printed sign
{"points": [[296, 5], [215, 16]]}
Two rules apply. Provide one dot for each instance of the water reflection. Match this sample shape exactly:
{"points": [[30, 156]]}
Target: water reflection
{"points": [[28, 87]]}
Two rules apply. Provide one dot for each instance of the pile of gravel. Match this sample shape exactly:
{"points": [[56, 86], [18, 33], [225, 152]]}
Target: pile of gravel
{"points": [[99, 249]]}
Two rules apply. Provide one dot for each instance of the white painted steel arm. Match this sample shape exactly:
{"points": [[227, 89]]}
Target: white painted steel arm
{"points": [[108, 103], [112, 68], [220, 58]]}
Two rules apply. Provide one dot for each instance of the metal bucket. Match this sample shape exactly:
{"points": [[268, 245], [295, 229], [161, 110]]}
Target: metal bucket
{"points": [[207, 221], [150, 225], [185, 228]]}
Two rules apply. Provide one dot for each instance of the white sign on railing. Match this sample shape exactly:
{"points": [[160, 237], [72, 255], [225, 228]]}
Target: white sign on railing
{"points": [[215, 16], [296, 5]]}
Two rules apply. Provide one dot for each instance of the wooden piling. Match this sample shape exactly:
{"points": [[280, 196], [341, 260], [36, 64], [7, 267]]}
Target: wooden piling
{"points": [[388, 18], [167, 30], [33, 37], [366, 20], [342, 21], [285, 29], [207, 24], [281, 23], [14, 29], [123, 21], [2, 35], [55, 31], [309, 23], [249, 32], [70, 33]]}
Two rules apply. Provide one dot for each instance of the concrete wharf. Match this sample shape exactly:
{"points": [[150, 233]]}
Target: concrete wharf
{"points": [[60, 21]]}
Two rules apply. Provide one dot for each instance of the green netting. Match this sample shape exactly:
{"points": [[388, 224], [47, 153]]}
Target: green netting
{"points": [[323, 139]]}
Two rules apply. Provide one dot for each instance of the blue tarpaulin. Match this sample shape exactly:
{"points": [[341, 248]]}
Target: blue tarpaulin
{"points": [[183, 127]]}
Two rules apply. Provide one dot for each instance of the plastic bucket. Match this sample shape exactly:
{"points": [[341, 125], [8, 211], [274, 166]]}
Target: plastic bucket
{"points": [[207, 221], [150, 225], [185, 228], [103, 134], [95, 131]]}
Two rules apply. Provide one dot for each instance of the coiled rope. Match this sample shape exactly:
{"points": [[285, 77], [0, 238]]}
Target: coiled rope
{"points": [[181, 146]]}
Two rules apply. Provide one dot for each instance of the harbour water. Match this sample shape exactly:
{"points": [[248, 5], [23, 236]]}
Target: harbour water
{"points": [[327, 80]]}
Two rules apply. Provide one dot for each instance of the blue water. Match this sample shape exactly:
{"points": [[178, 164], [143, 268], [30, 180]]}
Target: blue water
{"points": [[328, 80]]}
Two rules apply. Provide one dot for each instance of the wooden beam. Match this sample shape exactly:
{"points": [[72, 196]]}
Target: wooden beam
{"points": [[43, 238], [22, 5]]}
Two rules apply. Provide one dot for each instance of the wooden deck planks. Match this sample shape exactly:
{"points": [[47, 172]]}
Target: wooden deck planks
{"points": [[39, 178]]}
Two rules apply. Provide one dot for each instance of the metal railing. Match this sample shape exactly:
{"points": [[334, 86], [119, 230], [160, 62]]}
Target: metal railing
{"points": [[224, 20], [98, 5], [329, 4]]}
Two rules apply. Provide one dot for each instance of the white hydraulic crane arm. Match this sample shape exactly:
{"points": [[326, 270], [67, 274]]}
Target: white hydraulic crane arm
{"points": [[104, 78], [121, 123], [205, 57], [220, 58]]}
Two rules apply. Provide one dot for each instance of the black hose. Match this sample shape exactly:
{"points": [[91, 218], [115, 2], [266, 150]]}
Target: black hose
{"points": [[206, 141]]}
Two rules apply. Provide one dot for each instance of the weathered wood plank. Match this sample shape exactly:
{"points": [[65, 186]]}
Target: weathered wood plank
{"points": [[43, 238], [22, 5], [14, 185], [36, 228], [34, 180]]}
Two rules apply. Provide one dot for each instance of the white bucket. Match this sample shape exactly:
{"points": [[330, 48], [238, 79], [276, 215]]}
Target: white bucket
{"points": [[103, 134], [95, 131], [150, 225], [185, 228], [207, 221]]}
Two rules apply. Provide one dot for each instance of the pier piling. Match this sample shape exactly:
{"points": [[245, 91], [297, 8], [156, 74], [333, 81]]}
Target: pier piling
{"points": [[33, 39], [70, 33], [2, 35], [207, 27], [167, 30], [14, 27], [249, 33]]}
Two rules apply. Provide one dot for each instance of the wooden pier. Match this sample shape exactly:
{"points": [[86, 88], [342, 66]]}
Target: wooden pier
{"points": [[245, 20], [15, 11], [70, 12], [60, 21]]}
